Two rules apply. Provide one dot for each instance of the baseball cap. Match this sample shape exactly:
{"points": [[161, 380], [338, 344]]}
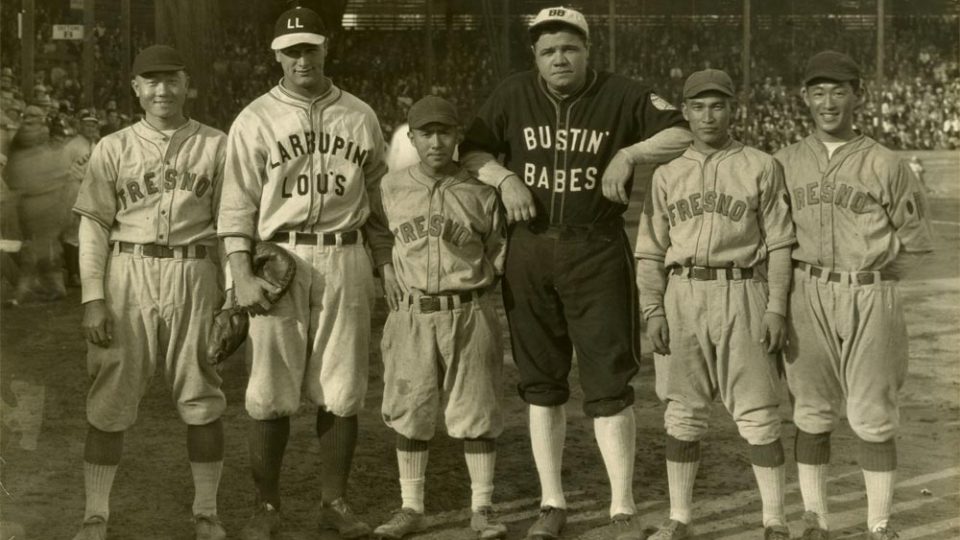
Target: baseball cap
{"points": [[157, 58], [708, 79], [298, 25], [432, 109], [86, 115], [564, 15], [831, 65]]}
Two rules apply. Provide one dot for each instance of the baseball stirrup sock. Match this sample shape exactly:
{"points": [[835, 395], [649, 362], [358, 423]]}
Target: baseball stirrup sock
{"points": [[98, 481], [879, 464], [683, 461], [412, 457], [617, 438], [481, 457], [771, 482], [548, 433], [337, 443], [206, 481], [267, 442]]}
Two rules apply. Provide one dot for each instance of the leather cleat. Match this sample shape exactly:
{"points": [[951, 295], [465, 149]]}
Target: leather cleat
{"points": [[94, 528], [671, 530], [812, 529], [404, 521], [485, 523], [265, 522], [883, 533], [208, 527], [338, 516], [625, 527], [776, 532], [548, 524]]}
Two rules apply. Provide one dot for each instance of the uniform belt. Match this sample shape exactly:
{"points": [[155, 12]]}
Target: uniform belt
{"points": [[317, 239], [443, 302], [709, 273], [162, 252], [857, 278]]}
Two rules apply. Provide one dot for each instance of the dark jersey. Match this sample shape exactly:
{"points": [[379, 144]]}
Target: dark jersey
{"points": [[560, 148]]}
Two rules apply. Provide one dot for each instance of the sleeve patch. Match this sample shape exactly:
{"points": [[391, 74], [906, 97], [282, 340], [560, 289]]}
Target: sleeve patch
{"points": [[660, 103]]}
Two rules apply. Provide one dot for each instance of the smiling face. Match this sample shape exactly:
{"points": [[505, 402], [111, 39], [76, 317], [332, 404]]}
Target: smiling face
{"points": [[435, 144], [162, 94], [303, 67], [561, 58], [832, 105]]}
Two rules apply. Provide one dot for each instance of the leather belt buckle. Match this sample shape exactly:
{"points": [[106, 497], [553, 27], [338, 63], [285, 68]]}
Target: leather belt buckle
{"points": [[865, 278], [429, 304]]}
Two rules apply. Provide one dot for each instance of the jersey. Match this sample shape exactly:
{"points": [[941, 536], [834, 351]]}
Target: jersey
{"points": [[724, 210], [856, 210], [560, 148], [448, 238], [299, 164], [149, 188]]}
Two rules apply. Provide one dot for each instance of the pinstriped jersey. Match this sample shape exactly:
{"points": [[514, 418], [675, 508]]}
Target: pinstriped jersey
{"points": [[300, 164], [855, 210], [725, 209], [149, 188], [560, 147], [448, 235]]}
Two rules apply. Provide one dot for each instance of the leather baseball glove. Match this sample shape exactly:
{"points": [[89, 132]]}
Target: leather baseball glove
{"points": [[231, 323]]}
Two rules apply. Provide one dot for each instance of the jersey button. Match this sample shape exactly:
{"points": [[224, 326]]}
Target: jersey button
{"points": [[163, 212]]}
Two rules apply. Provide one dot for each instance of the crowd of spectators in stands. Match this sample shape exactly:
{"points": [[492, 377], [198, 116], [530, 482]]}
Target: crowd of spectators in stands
{"points": [[917, 106]]}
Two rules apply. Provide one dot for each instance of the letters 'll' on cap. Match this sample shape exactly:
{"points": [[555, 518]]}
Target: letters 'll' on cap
{"points": [[298, 25]]}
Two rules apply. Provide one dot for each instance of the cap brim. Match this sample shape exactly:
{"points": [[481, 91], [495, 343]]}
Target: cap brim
{"points": [[160, 68], [830, 76], [444, 119], [563, 22], [289, 40], [707, 87]]}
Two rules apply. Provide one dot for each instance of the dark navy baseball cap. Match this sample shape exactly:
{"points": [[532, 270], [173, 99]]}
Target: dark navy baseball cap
{"points": [[158, 58], [831, 65], [431, 110], [708, 80], [298, 25]]}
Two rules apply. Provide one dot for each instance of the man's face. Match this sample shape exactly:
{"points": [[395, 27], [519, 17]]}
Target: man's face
{"points": [[709, 115], [562, 60], [832, 105], [90, 129], [303, 65], [435, 143], [162, 93]]}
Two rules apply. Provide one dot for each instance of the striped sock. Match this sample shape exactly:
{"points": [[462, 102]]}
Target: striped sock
{"points": [[617, 438], [412, 457], [98, 481], [879, 497], [548, 433], [481, 457], [206, 481], [771, 481], [813, 487]]}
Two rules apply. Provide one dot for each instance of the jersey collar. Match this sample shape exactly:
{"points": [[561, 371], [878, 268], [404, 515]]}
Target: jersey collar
{"points": [[145, 130], [587, 85], [733, 146], [820, 150], [287, 96], [462, 175]]}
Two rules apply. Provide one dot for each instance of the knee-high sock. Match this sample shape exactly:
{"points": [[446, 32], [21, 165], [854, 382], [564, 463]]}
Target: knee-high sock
{"points": [[412, 458], [879, 464], [683, 461], [338, 439], [101, 458], [205, 450], [267, 441], [481, 457], [548, 432], [617, 438], [813, 457], [771, 478]]}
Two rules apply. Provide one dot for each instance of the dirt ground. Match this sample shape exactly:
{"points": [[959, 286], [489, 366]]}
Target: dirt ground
{"points": [[44, 386]]}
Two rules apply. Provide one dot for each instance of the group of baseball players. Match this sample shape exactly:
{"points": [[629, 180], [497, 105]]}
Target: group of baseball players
{"points": [[740, 257]]}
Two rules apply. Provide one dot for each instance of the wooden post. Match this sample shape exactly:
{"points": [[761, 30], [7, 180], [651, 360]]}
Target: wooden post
{"points": [[126, 59], [881, 22], [428, 47], [27, 45], [745, 56], [611, 19]]}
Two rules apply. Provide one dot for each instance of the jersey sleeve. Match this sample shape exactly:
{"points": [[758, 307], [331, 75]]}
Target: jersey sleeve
{"points": [[486, 132], [218, 167], [375, 166], [655, 114], [377, 228], [495, 243], [774, 218], [907, 209], [653, 236], [97, 199], [244, 162]]}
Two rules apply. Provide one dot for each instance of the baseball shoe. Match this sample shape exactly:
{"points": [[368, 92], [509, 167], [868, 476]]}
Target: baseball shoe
{"points": [[812, 529], [671, 530], [338, 516], [404, 521], [265, 522], [94, 528], [485, 523], [776, 532], [883, 533], [625, 527], [548, 524], [208, 528]]}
